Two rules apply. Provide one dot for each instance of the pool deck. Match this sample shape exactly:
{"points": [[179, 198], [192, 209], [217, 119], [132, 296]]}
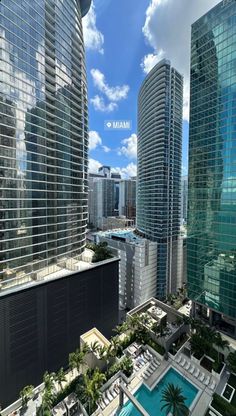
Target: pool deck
{"points": [[200, 403]]}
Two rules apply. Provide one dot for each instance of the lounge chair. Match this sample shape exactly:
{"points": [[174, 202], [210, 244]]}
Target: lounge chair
{"points": [[207, 381], [191, 370], [136, 367], [156, 361], [201, 378], [187, 365], [105, 399], [178, 359], [183, 362], [102, 404], [149, 354], [145, 354], [213, 385], [143, 358], [197, 372], [149, 371], [145, 376], [109, 396]]}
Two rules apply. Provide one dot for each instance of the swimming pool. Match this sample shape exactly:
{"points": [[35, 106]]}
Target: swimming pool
{"points": [[151, 400]]}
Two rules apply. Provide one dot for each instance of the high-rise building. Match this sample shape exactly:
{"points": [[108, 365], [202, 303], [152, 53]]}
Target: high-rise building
{"points": [[50, 293], [102, 199], [44, 136], [212, 173], [137, 266], [127, 200], [160, 108], [184, 198]]}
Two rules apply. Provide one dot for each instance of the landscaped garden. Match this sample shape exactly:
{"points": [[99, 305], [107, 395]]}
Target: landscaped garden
{"points": [[226, 403], [87, 382], [206, 344]]}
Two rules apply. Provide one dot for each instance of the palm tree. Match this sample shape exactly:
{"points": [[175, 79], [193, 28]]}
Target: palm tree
{"points": [[197, 345], [220, 343], [134, 322], [48, 382], [102, 352], [85, 349], [174, 401], [76, 359], [126, 366], [90, 392], [26, 394], [94, 347], [47, 403], [120, 329], [60, 377], [115, 343]]}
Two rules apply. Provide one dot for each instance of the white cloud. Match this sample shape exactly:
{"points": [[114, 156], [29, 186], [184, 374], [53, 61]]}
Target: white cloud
{"points": [[99, 104], [106, 149], [93, 38], [130, 147], [167, 30], [112, 93], [150, 60], [94, 140], [94, 165], [128, 171]]}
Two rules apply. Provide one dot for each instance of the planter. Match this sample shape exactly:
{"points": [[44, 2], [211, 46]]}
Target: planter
{"points": [[214, 410], [218, 375], [196, 360]]}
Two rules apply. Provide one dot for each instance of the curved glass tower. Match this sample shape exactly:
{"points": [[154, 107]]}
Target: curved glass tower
{"points": [[43, 137], [160, 108], [212, 169]]}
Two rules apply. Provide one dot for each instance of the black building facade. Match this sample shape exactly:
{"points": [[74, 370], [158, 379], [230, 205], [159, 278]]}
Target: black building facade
{"points": [[41, 324]]}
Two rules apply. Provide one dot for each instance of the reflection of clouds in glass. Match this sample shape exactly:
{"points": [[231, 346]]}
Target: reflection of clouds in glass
{"points": [[40, 59], [21, 90], [62, 77]]}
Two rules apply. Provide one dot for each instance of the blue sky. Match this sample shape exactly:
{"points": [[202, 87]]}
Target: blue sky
{"points": [[124, 39]]}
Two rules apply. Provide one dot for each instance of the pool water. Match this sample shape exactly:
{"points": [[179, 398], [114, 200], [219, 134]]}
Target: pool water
{"points": [[151, 400]]}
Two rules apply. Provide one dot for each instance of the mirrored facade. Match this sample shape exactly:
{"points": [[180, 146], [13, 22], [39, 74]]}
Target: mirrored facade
{"points": [[43, 137], [160, 108], [212, 167]]}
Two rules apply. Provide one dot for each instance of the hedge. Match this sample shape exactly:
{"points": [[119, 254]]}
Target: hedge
{"points": [[222, 406]]}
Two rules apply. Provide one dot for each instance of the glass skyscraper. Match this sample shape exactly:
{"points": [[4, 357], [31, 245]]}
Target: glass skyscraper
{"points": [[43, 137], [212, 167], [160, 108]]}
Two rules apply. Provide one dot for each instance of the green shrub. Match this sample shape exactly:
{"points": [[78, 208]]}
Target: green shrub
{"points": [[225, 408], [217, 366], [101, 252], [70, 388], [158, 348]]}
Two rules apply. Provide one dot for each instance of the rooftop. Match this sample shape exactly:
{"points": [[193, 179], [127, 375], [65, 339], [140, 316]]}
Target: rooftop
{"points": [[66, 267], [126, 234], [94, 335]]}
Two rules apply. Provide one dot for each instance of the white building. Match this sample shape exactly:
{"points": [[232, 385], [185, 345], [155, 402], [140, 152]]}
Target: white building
{"points": [[138, 265]]}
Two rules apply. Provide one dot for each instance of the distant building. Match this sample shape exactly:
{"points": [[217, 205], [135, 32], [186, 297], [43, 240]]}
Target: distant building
{"points": [[111, 223], [160, 108], [127, 201], [105, 171], [184, 199], [102, 199], [137, 268]]}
